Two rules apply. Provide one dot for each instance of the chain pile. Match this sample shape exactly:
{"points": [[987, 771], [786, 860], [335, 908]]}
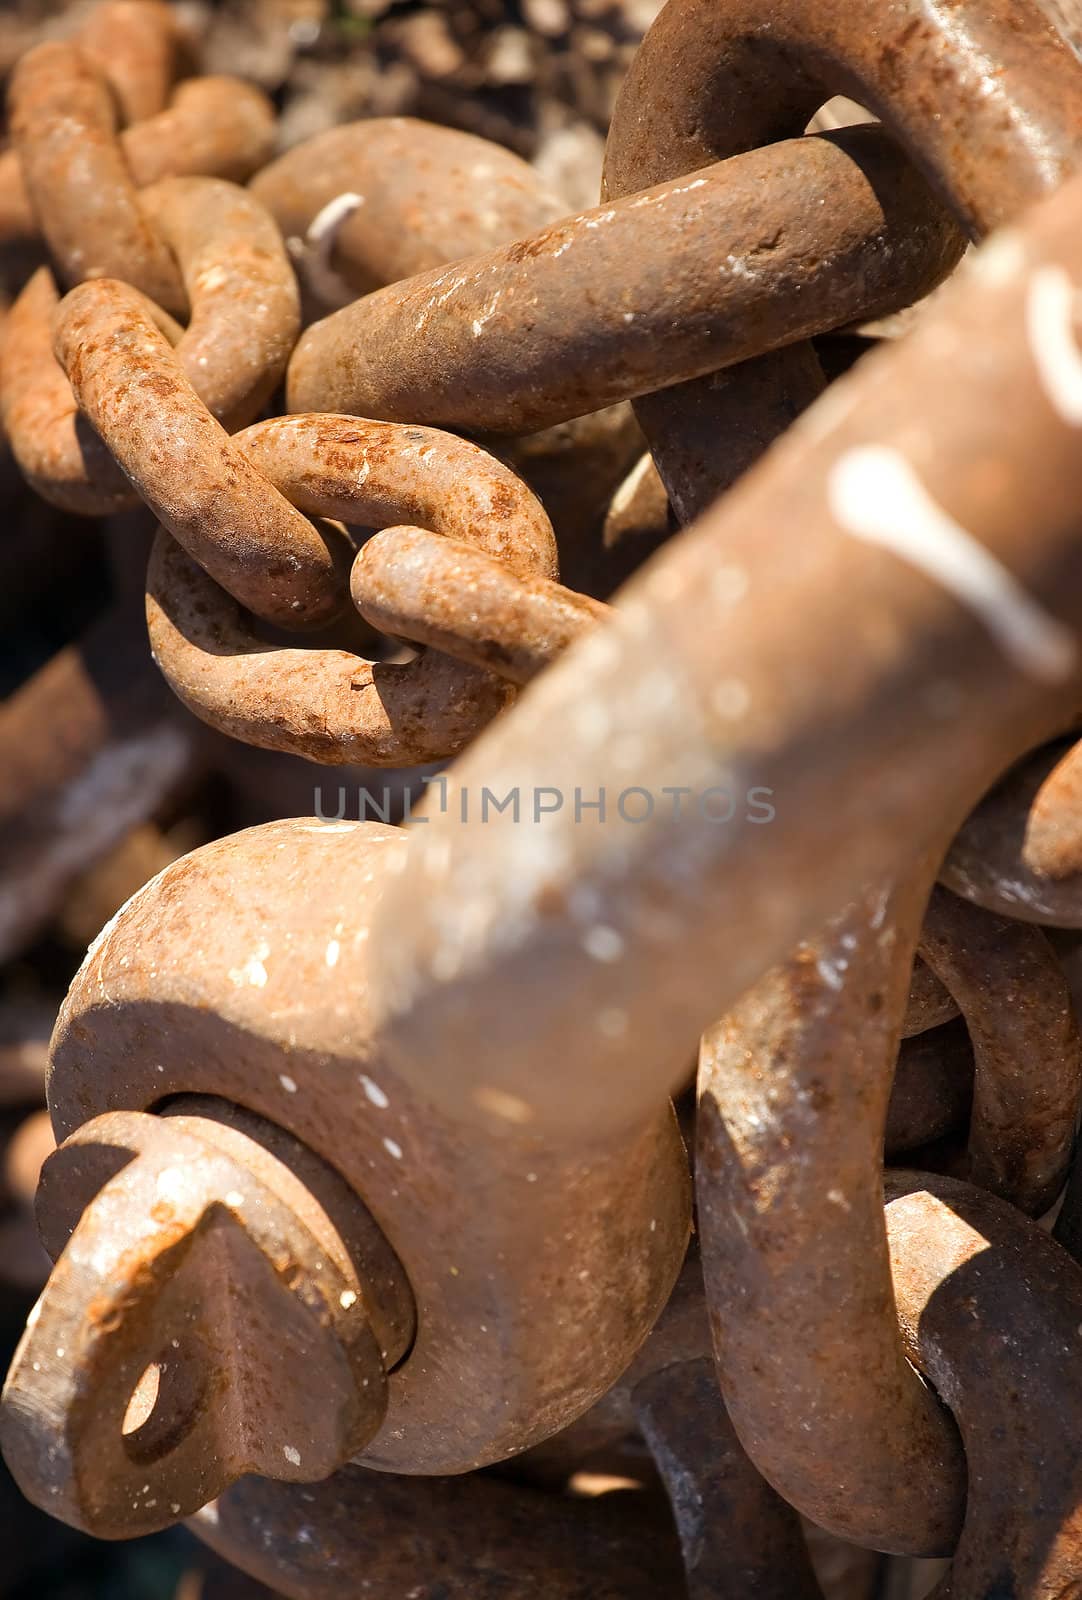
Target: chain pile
{"points": [[368, 1177]]}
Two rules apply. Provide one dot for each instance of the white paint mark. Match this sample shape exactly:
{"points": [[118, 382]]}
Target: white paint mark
{"points": [[876, 496], [288, 1083], [234, 1198], [393, 1149], [170, 1185], [253, 972], [373, 1092], [332, 952], [602, 943], [328, 220], [213, 278], [313, 252], [347, 1298], [831, 972], [1051, 307], [487, 313], [292, 1455]]}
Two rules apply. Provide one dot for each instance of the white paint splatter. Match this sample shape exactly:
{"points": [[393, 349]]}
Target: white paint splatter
{"points": [[170, 1185], [288, 1084], [373, 1092], [253, 972], [292, 1455], [1051, 307], [393, 1149], [876, 496]]}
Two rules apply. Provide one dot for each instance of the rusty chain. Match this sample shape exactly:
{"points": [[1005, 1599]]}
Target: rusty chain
{"points": [[368, 1176]]}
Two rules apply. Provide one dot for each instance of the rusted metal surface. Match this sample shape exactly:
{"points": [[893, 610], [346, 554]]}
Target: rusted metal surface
{"points": [[737, 1535], [215, 1200], [1017, 1006], [932, 1091], [511, 1244], [91, 746], [446, 594], [329, 704], [470, 1538], [134, 44], [63, 126], [930, 1002], [217, 127], [709, 83], [1015, 855], [57, 451], [243, 317], [988, 1308], [372, 202], [367, 1172], [855, 229], [700, 683], [793, 1092], [133, 391]]}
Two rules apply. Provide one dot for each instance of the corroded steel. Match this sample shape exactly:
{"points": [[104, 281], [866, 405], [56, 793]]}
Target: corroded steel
{"points": [[441, 592], [932, 1092], [135, 394], [1026, 825], [217, 127], [134, 44], [366, 1167], [930, 1002], [737, 1536], [243, 314], [90, 746], [794, 1085], [701, 683], [978, 1284], [215, 1199], [329, 704], [63, 126], [512, 1244], [57, 451], [372, 202], [1017, 1006], [987, 98], [242, 322], [524, 343]]}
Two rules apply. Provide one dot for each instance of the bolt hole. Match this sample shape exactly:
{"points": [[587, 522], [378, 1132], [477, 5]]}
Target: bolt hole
{"points": [[165, 1404], [144, 1399]]}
